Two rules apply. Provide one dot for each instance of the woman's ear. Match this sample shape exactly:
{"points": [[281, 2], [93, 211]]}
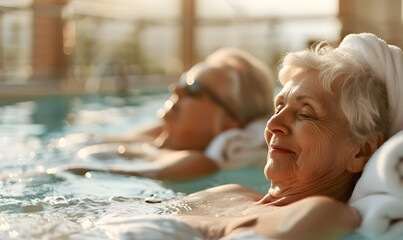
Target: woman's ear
{"points": [[364, 151]]}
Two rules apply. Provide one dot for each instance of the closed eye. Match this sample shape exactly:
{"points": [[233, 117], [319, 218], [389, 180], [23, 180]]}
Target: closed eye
{"points": [[278, 108], [304, 116]]}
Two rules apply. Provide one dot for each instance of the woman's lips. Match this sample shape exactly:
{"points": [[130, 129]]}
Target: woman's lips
{"points": [[279, 149]]}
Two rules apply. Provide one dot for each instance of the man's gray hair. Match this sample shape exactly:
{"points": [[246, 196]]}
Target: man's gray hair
{"points": [[253, 88]]}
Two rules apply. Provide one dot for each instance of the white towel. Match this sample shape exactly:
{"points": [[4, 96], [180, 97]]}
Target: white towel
{"points": [[387, 63], [378, 195], [382, 216], [237, 148], [384, 171]]}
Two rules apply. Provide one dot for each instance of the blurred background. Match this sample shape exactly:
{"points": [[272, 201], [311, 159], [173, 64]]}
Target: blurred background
{"points": [[74, 70], [116, 46]]}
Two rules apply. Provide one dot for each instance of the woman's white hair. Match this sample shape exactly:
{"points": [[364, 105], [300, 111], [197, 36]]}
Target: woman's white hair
{"points": [[253, 86], [363, 97]]}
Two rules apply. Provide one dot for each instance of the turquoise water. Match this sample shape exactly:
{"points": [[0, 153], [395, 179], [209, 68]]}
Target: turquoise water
{"points": [[45, 133]]}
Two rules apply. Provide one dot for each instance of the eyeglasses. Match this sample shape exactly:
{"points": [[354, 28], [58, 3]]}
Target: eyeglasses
{"points": [[197, 88]]}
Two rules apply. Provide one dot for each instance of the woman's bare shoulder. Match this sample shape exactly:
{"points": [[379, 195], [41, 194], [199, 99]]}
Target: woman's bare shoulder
{"points": [[226, 197], [231, 188], [316, 217]]}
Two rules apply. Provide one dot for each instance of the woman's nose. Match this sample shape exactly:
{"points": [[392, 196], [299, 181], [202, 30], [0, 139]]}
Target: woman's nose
{"points": [[279, 123]]}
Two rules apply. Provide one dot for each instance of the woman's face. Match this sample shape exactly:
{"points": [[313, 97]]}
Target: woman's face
{"points": [[308, 136], [191, 121]]}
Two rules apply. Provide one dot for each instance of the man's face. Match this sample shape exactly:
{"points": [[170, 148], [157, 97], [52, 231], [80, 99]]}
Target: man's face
{"points": [[191, 120]]}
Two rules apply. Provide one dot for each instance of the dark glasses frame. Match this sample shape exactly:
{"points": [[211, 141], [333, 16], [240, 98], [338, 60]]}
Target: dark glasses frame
{"points": [[197, 88]]}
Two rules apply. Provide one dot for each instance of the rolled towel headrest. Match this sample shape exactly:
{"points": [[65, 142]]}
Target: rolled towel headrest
{"points": [[238, 148], [383, 173], [387, 63]]}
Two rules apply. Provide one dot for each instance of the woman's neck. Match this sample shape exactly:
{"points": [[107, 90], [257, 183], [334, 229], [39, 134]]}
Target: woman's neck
{"points": [[339, 187]]}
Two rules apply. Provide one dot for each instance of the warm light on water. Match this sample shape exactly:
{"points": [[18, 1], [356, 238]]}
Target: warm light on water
{"points": [[38, 201]]}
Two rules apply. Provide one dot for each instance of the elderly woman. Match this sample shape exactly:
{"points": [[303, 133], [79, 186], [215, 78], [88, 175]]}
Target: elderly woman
{"points": [[230, 90], [330, 117]]}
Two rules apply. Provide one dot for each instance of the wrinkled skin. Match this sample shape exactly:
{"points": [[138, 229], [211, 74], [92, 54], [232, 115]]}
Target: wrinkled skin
{"points": [[310, 147]]}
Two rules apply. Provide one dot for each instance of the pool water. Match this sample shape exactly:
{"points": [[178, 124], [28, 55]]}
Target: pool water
{"points": [[36, 137]]}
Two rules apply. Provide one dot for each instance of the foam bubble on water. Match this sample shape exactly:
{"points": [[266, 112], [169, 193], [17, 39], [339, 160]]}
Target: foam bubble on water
{"points": [[56, 201], [4, 226], [86, 223]]}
